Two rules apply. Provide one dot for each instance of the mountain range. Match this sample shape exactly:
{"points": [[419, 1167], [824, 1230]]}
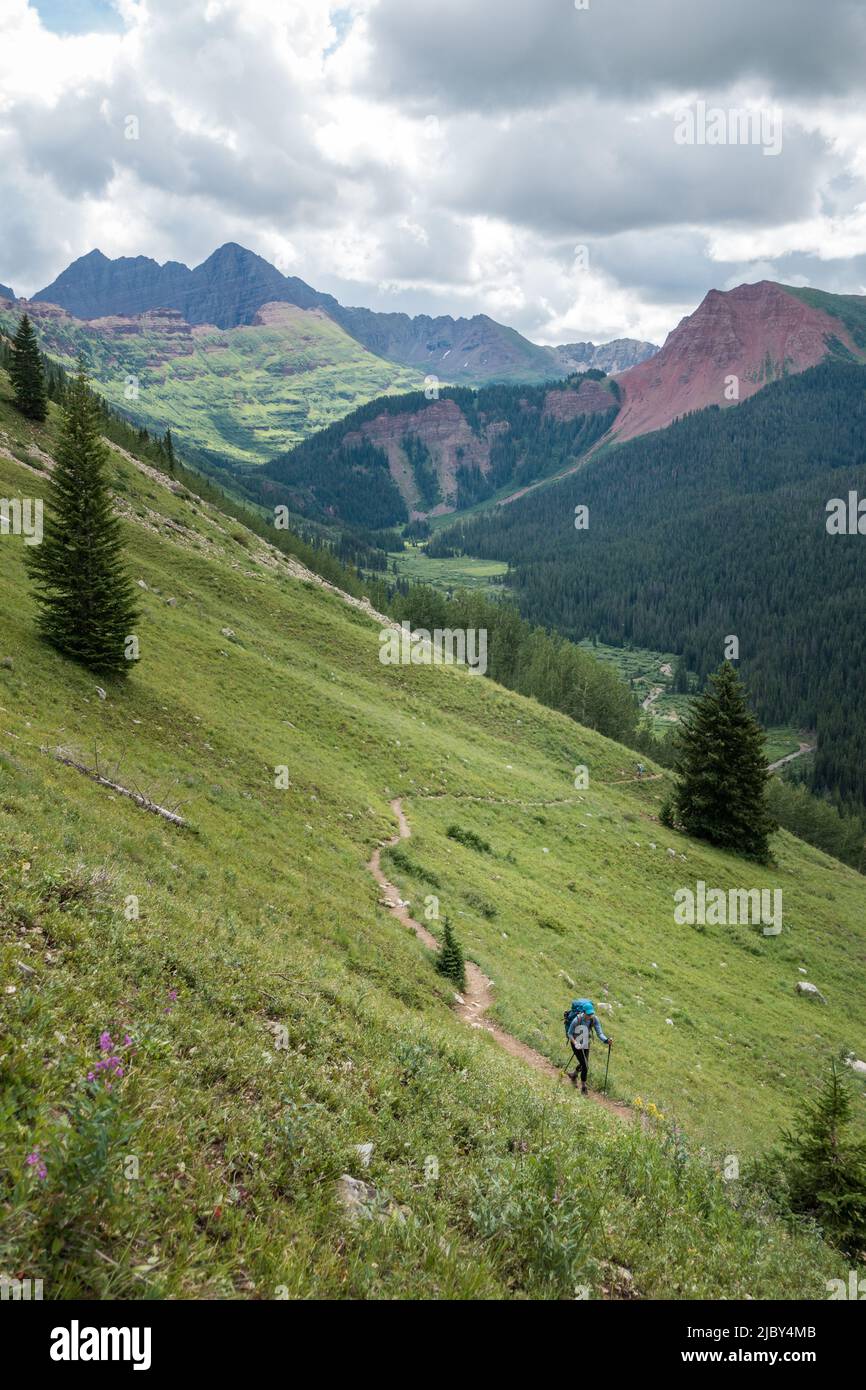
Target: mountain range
{"points": [[498, 443], [230, 287]]}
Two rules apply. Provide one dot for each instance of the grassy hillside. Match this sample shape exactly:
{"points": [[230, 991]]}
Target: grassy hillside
{"points": [[240, 394], [261, 917]]}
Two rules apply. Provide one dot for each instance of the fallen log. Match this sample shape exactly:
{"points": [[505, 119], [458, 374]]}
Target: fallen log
{"points": [[95, 776]]}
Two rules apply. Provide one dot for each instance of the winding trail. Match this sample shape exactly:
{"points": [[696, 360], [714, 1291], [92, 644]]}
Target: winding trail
{"points": [[477, 997], [780, 762]]}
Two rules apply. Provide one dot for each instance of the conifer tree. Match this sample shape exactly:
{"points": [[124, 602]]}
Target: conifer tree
{"points": [[721, 794], [84, 594], [28, 373], [450, 962], [825, 1168], [168, 444]]}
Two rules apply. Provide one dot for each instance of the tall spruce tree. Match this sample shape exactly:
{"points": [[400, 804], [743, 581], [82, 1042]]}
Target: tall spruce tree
{"points": [[85, 596], [721, 792], [27, 372], [824, 1164]]}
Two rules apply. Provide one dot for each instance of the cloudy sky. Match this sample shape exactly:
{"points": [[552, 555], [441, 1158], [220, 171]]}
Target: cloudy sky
{"points": [[522, 158]]}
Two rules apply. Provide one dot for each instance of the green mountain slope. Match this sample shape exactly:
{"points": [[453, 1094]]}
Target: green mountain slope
{"points": [[426, 455], [238, 394], [280, 1018]]}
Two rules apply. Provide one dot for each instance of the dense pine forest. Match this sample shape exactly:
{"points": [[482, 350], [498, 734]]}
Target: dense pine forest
{"points": [[717, 527]]}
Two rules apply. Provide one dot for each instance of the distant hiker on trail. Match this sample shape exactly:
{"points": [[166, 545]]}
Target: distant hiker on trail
{"points": [[579, 1019], [640, 771]]}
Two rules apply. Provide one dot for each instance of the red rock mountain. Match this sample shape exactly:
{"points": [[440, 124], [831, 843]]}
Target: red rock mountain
{"points": [[755, 333]]}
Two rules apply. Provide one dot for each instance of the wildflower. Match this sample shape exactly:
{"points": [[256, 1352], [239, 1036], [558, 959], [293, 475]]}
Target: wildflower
{"points": [[35, 1160], [112, 1063]]}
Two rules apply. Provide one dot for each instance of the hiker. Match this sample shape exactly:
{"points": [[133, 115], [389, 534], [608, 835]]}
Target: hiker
{"points": [[640, 771], [578, 1021]]}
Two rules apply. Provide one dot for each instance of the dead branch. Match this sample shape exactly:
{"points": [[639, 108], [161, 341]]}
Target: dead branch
{"points": [[138, 797]]}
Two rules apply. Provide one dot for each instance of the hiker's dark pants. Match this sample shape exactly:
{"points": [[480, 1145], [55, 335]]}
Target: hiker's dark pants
{"points": [[582, 1055]]}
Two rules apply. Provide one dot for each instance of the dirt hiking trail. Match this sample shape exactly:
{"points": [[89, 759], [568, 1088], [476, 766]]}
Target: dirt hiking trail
{"points": [[780, 762], [477, 997]]}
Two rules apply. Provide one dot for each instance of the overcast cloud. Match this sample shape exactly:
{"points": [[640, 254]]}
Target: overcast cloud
{"points": [[512, 157]]}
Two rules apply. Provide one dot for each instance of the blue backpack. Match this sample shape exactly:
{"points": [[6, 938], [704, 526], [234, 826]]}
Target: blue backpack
{"points": [[578, 1006]]}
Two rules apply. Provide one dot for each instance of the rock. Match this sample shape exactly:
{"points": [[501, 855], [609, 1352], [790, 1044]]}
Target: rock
{"points": [[7, 663], [672, 854], [101, 693], [171, 602], [811, 991], [670, 1021], [362, 1201], [226, 632], [619, 1281], [365, 1153], [856, 1065], [141, 584]]}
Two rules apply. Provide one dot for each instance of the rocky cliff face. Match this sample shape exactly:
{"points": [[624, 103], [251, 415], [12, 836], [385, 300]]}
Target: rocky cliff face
{"points": [[95, 287], [733, 344], [565, 403], [612, 358]]}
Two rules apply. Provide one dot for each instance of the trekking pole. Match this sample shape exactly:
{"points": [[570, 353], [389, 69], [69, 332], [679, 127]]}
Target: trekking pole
{"points": [[607, 1069]]}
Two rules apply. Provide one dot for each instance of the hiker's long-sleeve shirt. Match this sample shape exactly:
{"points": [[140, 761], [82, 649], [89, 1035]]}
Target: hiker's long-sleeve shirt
{"points": [[591, 1021]]}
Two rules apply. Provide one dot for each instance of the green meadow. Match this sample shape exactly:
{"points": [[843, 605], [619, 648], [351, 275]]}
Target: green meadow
{"points": [[458, 572]]}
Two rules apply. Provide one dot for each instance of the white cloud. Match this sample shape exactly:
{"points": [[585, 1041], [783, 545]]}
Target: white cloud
{"points": [[402, 160]]}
